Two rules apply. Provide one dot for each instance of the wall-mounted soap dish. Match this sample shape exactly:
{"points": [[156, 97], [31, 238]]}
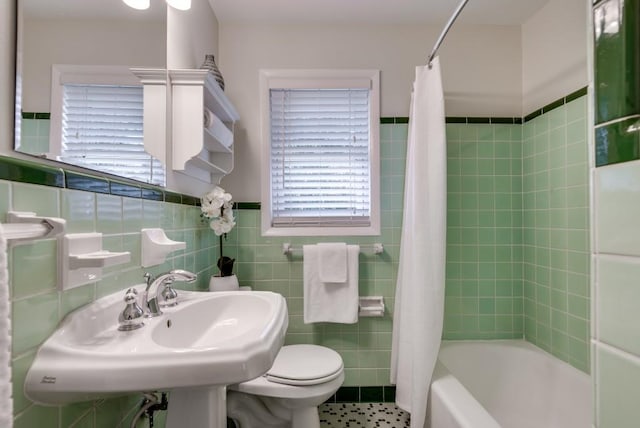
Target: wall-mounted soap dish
{"points": [[82, 259], [156, 246]]}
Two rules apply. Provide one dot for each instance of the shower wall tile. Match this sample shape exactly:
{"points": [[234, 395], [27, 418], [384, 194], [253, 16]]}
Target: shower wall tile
{"points": [[484, 256], [555, 232], [38, 306]]}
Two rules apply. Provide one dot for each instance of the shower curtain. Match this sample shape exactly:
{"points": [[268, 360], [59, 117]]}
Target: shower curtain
{"points": [[419, 303]]}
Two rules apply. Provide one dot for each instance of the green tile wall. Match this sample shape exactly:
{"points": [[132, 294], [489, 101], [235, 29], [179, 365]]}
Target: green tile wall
{"points": [[555, 191], [365, 346], [483, 295], [37, 305], [516, 245]]}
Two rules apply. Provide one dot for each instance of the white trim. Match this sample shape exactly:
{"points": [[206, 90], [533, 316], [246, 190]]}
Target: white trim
{"points": [[315, 79]]}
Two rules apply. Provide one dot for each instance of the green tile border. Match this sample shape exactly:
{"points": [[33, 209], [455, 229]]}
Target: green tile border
{"points": [[35, 115], [458, 119], [88, 183], [24, 171], [555, 104], [246, 206], [29, 172]]}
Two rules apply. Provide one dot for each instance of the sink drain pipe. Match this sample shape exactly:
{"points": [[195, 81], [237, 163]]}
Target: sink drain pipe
{"points": [[150, 404]]}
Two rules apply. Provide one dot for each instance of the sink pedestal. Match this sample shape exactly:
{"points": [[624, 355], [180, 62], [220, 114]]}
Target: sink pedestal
{"points": [[202, 407]]}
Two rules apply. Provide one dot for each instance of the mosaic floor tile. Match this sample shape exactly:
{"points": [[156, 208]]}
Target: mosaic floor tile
{"points": [[362, 415]]}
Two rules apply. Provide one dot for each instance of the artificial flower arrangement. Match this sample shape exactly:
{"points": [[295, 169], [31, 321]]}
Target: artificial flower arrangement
{"points": [[217, 207]]}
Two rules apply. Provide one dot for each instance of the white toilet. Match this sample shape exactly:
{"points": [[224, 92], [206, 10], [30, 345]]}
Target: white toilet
{"points": [[288, 395]]}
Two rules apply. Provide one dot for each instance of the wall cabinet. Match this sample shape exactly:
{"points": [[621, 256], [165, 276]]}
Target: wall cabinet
{"points": [[200, 122], [202, 126]]}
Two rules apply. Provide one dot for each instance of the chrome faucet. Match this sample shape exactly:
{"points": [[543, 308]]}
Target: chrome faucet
{"points": [[155, 287]]}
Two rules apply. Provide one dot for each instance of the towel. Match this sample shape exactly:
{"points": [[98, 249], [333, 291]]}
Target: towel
{"points": [[329, 302], [6, 404], [332, 262]]}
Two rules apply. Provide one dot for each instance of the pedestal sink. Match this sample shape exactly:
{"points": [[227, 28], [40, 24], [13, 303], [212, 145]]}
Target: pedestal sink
{"points": [[193, 350]]}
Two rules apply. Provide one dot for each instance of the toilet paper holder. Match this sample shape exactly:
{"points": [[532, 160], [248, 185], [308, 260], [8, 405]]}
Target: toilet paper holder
{"points": [[371, 306]]}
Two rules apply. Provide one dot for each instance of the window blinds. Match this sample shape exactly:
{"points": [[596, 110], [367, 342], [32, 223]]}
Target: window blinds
{"points": [[320, 169], [102, 129]]}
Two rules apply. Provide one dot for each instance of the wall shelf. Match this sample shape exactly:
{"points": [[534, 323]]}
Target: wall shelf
{"points": [[206, 154]]}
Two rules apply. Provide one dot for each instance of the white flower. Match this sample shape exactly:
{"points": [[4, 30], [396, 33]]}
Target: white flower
{"points": [[217, 206]]}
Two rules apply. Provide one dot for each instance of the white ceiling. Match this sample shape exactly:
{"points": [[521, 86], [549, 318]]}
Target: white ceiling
{"points": [[496, 12]]}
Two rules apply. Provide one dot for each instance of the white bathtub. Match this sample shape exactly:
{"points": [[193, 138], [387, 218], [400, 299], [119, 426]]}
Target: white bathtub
{"points": [[506, 384]]}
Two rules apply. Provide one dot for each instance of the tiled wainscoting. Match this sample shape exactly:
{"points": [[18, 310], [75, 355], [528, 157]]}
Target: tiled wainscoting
{"points": [[517, 244]]}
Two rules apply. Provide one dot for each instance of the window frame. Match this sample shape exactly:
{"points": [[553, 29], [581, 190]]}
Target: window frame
{"points": [[63, 74], [320, 79]]}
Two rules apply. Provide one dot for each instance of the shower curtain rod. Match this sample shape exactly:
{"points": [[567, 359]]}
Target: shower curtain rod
{"points": [[445, 31]]}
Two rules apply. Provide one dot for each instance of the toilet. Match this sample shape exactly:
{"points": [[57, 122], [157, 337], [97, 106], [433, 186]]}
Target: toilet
{"points": [[288, 395]]}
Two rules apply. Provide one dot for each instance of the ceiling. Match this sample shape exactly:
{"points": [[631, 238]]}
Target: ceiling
{"points": [[490, 12]]}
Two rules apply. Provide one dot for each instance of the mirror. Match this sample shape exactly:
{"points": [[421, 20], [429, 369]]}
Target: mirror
{"points": [[76, 100]]}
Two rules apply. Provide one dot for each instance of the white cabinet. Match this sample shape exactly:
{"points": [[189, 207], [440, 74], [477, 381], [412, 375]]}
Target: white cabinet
{"points": [[202, 152], [154, 81]]}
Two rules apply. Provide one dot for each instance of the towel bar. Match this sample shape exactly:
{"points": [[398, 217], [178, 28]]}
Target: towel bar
{"points": [[376, 248]]}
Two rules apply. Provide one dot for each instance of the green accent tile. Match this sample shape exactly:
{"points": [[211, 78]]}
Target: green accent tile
{"points": [[449, 119], [618, 142], [483, 120], [246, 206], [402, 120], [577, 94], [553, 105], [616, 67], [152, 194], [532, 115], [387, 120], [85, 182], [172, 197], [125, 189], [29, 172]]}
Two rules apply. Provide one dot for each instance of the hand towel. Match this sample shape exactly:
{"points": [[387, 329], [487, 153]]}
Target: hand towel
{"points": [[6, 402], [332, 262], [328, 302]]}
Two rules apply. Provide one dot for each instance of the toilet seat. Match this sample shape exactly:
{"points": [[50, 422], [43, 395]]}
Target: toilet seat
{"points": [[303, 365]]}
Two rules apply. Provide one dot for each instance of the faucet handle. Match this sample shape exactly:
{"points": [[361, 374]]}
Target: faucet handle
{"points": [[169, 296], [131, 318]]}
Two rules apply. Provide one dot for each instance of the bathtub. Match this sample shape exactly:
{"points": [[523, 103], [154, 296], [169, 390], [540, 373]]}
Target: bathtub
{"points": [[506, 384]]}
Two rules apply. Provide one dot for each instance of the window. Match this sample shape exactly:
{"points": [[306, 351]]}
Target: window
{"points": [[97, 122], [321, 163]]}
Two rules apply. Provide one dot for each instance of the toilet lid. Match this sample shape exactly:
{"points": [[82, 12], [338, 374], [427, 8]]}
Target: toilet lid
{"points": [[305, 365]]}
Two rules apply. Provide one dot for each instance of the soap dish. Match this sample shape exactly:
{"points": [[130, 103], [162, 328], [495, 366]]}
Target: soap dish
{"points": [[156, 246]]}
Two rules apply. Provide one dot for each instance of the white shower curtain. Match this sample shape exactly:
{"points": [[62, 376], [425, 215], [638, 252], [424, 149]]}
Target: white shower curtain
{"points": [[419, 303]]}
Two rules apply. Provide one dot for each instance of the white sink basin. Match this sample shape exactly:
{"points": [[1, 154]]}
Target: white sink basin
{"points": [[207, 339]]}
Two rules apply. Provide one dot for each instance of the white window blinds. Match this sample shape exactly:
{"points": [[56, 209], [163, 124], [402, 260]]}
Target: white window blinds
{"points": [[102, 129], [320, 157]]}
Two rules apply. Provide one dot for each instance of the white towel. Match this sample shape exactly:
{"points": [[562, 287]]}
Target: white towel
{"points": [[330, 302], [332, 262], [6, 403]]}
